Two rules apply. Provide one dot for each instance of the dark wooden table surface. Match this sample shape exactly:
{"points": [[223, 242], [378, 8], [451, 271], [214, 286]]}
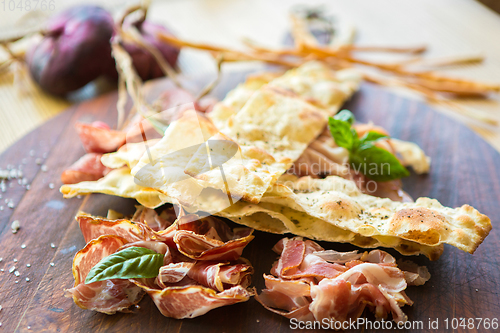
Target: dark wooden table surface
{"points": [[465, 169]]}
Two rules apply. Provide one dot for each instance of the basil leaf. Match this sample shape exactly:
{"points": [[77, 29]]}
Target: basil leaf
{"points": [[132, 262], [377, 164], [372, 136], [342, 133], [345, 115]]}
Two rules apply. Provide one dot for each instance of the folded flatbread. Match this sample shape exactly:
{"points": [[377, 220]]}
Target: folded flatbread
{"points": [[271, 130], [333, 209]]}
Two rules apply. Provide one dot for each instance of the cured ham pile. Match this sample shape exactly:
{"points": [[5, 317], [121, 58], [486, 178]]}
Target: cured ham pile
{"points": [[309, 283], [202, 266]]}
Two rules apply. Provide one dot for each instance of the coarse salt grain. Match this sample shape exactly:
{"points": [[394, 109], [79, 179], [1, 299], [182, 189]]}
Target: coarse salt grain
{"points": [[23, 246], [52, 245], [16, 273], [52, 264], [44, 168], [32, 153], [27, 279], [1, 259], [11, 205], [28, 187], [38, 161], [28, 265], [16, 281], [51, 185], [14, 260], [1, 269], [12, 269], [15, 226]]}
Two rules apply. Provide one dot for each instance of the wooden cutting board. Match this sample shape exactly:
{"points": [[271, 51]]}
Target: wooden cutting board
{"points": [[465, 169]]}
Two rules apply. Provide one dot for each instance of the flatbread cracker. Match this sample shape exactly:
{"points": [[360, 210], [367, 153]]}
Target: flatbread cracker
{"points": [[118, 182], [340, 203]]}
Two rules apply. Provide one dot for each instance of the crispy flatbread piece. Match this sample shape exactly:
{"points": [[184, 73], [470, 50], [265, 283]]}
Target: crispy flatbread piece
{"points": [[340, 203], [279, 219], [333, 209], [274, 125], [118, 182], [269, 129]]}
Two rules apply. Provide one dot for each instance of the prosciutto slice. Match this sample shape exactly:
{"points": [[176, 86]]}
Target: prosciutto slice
{"points": [[99, 138], [87, 168], [324, 158], [310, 283], [220, 275], [153, 220], [210, 245], [92, 227], [107, 296], [192, 300]]}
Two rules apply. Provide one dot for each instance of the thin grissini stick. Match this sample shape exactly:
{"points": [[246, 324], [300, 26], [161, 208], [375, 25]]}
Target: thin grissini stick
{"points": [[229, 55], [239, 56], [255, 46], [389, 49], [427, 83], [182, 43], [264, 54], [397, 69], [444, 61], [443, 84], [458, 89], [432, 97]]}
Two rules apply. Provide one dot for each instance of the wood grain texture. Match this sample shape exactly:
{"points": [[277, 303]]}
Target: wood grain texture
{"points": [[465, 170]]}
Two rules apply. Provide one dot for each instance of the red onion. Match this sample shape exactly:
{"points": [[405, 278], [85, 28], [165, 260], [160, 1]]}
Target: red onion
{"points": [[74, 50], [144, 63]]}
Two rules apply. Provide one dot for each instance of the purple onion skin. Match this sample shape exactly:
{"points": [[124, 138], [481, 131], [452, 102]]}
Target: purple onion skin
{"points": [[75, 50], [144, 63]]}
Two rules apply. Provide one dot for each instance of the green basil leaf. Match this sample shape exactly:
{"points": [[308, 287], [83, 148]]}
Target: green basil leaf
{"points": [[377, 164], [345, 115], [341, 132], [372, 136], [129, 263]]}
